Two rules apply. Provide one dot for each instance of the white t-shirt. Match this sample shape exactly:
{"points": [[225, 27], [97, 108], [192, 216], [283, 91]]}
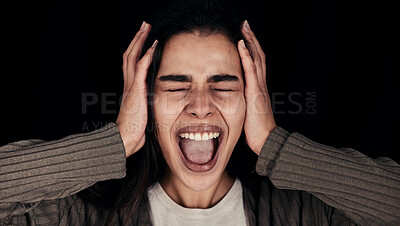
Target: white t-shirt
{"points": [[228, 211]]}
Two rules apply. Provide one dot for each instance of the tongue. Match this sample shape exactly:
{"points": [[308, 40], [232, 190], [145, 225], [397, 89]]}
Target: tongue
{"points": [[199, 152]]}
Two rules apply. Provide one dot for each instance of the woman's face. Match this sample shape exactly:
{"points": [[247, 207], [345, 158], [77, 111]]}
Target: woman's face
{"points": [[199, 107]]}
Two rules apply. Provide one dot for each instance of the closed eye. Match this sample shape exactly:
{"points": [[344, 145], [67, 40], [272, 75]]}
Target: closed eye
{"points": [[176, 90], [223, 90]]}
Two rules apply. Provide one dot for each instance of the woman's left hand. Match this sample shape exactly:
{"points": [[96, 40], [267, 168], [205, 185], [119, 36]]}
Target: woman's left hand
{"points": [[259, 121]]}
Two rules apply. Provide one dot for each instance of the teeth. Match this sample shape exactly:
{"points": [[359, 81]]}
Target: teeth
{"points": [[199, 136]]}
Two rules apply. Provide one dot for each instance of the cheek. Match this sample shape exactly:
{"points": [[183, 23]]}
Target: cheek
{"points": [[167, 105], [163, 126], [233, 110], [166, 111], [233, 106]]}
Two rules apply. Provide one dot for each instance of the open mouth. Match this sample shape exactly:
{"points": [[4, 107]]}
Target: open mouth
{"points": [[199, 146]]}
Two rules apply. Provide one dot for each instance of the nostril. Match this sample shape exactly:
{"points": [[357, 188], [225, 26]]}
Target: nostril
{"points": [[201, 115]]}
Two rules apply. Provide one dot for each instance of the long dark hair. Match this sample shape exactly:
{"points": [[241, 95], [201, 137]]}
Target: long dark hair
{"points": [[147, 166]]}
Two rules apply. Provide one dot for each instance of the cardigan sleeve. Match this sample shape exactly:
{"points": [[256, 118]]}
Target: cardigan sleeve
{"points": [[367, 190], [32, 171]]}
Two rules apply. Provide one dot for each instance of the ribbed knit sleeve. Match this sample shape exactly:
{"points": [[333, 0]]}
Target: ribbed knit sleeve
{"points": [[367, 190], [34, 170]]}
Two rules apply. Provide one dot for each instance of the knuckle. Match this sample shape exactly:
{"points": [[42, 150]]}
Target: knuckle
{"points": [[253, 68], [132, 56], [129, 55], [262, 54]]}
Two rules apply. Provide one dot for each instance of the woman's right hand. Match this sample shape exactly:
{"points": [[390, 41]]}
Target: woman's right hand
{"points": [[132, 117]]}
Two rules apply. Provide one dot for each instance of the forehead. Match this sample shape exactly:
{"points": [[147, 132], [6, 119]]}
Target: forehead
{"points": [[200, 55]]}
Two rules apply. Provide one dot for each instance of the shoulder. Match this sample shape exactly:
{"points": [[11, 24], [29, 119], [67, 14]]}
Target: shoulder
{"points": [[273, 206]]}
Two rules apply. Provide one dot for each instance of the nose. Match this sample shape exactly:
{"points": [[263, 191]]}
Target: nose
{"points": [[200, 105]]}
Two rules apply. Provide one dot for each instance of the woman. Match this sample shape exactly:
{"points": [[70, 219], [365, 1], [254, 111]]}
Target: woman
{"points": [[194, 117]]}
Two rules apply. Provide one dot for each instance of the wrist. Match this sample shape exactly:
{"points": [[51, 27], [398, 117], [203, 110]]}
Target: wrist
{"points": [[128, 141], [263, 139], [259, 147]]}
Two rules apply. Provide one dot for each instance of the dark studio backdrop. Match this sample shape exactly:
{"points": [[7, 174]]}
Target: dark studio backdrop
{"points": [[330, 67]]}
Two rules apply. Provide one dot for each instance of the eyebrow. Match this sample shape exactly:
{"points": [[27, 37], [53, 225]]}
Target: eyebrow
{"points": [[175, 78], [188, 78], [223, 78]]}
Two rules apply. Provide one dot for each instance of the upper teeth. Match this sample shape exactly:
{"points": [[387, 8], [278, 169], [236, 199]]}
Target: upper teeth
{"points": [[199, 136]]}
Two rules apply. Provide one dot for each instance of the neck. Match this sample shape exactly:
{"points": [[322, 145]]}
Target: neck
{"points": [[188, 198]]}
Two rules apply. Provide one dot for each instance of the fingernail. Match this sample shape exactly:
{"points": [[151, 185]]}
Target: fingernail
{"points": [[141, 27], [246, 26], [145, 26], [154, 44], [242, 43]]}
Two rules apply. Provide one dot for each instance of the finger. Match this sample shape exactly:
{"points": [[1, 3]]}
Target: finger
{"points": [[249, 67], [256, 43], [259, 54], [134, 54], [144, 63], [128, 50], [142, 28], [256, 56]]}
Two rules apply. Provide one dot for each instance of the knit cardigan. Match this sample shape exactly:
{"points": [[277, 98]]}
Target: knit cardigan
{"points": [[301, 183]]}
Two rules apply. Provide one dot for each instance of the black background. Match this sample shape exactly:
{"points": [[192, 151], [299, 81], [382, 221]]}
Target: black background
{"points": [[343, 52]]}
